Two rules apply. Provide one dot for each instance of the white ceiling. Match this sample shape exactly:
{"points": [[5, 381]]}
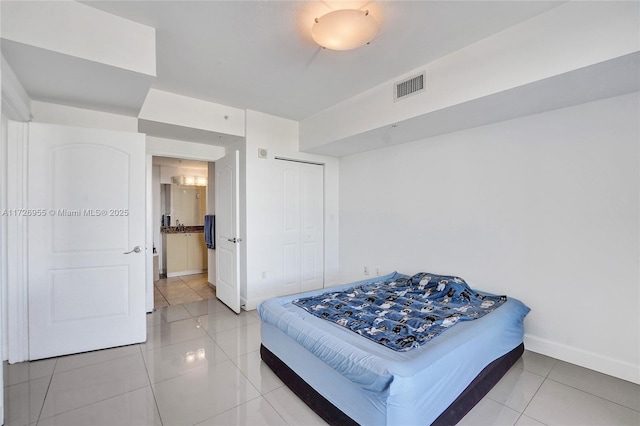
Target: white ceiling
{"points": [[259, 54]]}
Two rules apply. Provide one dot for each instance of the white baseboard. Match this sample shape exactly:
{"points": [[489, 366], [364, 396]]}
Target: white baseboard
{"points": [[249, 305], [603, 364], [182, 273]]}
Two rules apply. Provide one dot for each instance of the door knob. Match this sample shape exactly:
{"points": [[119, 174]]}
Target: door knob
{"points": [[136, 249], [234, 240]]}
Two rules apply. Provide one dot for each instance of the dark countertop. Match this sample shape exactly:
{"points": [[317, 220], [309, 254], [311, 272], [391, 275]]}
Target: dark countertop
{"points": [[187, 229]]}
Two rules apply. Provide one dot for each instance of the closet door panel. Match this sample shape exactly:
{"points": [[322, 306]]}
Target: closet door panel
{"points": [[290, 232], [301, 227], [312, 226]]}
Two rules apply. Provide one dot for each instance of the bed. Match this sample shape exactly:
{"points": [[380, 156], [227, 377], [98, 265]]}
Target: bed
{"points": [[349, 378]]}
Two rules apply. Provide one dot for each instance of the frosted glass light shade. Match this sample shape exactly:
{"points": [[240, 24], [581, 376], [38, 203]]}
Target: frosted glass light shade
{"points": [[344, 29]]}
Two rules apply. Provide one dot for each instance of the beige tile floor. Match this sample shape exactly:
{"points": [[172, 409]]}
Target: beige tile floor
{"points": [[185, 289], [200, 366]]}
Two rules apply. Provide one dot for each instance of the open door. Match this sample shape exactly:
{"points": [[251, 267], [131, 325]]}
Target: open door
{"points": [[227, 231], [86, 239]]}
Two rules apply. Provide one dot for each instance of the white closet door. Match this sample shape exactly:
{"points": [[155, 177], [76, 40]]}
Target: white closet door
{"points": [[291, 228], [312, 227], [302, 233]]}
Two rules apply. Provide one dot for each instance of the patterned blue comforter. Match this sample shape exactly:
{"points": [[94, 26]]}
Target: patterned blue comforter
{"points": [[404, 313]]}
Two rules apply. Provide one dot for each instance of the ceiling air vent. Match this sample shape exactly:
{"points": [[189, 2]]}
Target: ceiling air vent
{"points": [[408, 87]]}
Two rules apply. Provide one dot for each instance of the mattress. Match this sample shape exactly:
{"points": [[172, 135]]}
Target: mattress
{"points": [[373, 384]]}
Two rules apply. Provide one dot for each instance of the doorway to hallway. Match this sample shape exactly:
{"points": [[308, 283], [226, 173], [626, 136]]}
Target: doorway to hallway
{"points": [[180, 290]]}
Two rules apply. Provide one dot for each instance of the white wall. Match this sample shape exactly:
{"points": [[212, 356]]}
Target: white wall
{"points": [[182, 149], [543, 208], [45, 112], [4, 341], [4, 278], [280, 137], [15, 105], [183, 111]]}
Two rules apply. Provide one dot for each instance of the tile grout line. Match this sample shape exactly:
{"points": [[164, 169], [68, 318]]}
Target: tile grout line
{"points": [[153, 392], [582, 390], [187, 372], [195, 318], [592, 394], [94, 402], [271, 405], [140, 353], [95, 363], [233, 362], [181, 281], [261, 395], [161, 295], [47, 392], [248, 381], [533, 397], [244, 403], [545, 378]]}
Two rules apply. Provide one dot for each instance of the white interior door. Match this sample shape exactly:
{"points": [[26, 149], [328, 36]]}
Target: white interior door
{"points": [[227, 231], [86, 207]]}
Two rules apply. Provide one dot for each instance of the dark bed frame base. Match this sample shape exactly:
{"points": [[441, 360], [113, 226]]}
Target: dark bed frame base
{"points": [[473, 393]]}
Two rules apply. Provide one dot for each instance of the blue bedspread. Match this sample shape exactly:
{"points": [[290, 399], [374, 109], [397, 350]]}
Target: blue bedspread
{"points": [[402, 313]]}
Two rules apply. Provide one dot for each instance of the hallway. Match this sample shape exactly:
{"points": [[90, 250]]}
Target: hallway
{"points": [[180, 290]]}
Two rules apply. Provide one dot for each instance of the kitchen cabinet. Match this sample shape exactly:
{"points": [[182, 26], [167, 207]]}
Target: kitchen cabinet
{"points": [[186, 253]]}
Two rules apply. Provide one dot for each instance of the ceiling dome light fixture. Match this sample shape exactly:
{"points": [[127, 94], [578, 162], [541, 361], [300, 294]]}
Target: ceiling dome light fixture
{"points": [[344, 29]]}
